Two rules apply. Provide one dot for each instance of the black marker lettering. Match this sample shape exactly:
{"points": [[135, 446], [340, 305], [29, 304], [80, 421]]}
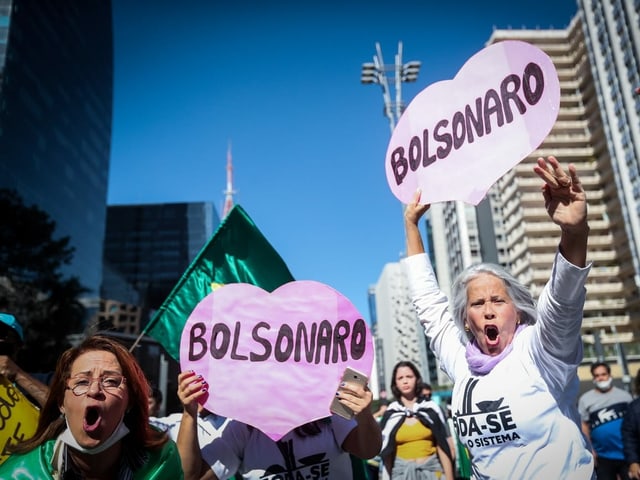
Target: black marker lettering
{"points": [[196, 335], [494, 109]]}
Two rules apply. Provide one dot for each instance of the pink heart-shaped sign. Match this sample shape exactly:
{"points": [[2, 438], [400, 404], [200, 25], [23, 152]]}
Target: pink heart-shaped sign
{"points": [[457, 137], [274, 360]]}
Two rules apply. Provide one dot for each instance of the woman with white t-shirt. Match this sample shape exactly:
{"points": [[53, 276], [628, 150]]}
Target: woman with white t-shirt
{"points": [[320, 449], [513, 361]]}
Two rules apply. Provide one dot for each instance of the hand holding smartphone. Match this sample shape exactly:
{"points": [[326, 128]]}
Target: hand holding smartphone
{"points": [[350, 375]]}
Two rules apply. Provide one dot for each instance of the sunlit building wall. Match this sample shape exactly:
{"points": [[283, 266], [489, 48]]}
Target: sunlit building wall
{"points": [[397, 330], [579, 136], [612, 36]]}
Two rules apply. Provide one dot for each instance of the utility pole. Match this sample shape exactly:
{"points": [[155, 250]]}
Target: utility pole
{"points": [[377, 72]]}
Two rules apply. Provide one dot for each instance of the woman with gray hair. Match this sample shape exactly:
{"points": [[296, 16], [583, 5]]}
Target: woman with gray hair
{"points": [[513, 362]]}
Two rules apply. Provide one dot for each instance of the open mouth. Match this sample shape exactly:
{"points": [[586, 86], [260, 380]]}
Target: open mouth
{"points": [[491, 332], [91, 419]]}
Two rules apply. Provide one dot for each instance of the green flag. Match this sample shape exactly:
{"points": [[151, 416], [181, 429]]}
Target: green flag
{"points": [[236, 253]]}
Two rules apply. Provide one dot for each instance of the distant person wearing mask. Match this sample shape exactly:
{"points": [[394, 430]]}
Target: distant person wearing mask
{"points": [[602, 410], [11, 340]]}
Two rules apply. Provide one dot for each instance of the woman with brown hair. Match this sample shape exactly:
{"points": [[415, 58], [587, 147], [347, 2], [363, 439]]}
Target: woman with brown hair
{"points": [[95, 423], [415, 443]]}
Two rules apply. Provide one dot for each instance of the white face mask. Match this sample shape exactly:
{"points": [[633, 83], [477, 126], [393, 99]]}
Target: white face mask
{"points": [[603, 385], [68, 438]]}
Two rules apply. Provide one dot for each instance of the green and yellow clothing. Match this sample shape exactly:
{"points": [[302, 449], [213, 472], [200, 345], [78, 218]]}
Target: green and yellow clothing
{"points": [[38, 464], [414, 441]]}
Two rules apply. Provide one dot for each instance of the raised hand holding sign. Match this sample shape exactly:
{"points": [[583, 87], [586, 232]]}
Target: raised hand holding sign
{"points": [[275, 360], [457, 137]]}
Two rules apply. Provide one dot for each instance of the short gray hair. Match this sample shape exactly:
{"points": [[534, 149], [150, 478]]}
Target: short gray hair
{"points": [[519, 294]]}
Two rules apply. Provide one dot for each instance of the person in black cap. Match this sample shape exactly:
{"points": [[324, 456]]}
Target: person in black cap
{"points": [[11, 339]]}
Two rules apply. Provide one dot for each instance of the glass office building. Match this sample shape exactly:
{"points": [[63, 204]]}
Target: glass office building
{"points": [[148, 248], [56, 91]]}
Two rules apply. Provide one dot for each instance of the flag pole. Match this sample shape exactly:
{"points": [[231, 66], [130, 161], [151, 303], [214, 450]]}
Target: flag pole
{"points": [[142, 333], [135, 344]]}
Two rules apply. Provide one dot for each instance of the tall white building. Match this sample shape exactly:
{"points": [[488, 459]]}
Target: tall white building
{"points": [[398, 333]]}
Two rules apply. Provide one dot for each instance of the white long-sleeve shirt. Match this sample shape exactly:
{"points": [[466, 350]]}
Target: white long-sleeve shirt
{"points": [[519, 421]]}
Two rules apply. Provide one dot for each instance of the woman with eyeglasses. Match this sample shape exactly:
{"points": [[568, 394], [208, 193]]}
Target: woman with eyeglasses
{"points": [[95, 423]]}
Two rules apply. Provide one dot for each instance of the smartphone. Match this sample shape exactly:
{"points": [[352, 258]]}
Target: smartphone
{"points": [[352, 376]]}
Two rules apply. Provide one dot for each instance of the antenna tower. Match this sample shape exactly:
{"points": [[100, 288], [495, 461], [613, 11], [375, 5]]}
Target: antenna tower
{"points": [[228, 199]]}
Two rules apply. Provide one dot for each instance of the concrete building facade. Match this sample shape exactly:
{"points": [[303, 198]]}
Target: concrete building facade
{"points": [[579, 136]]}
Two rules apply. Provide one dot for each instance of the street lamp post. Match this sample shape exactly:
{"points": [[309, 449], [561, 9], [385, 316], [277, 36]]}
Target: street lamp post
{"points": [[379, 73]]}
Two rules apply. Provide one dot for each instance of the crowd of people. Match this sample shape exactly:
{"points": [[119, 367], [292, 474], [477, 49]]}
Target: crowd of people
{"points": [[515, 409]]}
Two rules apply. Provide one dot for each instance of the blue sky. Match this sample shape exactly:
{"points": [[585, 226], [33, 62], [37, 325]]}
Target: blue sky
{"points": [[281, 82]]}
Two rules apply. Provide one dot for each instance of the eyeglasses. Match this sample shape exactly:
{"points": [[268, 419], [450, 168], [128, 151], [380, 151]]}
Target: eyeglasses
{"points": [[109, 383]]}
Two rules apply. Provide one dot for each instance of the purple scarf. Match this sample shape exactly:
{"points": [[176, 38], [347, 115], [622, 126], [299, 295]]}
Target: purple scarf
{"points": [[480, 363]]}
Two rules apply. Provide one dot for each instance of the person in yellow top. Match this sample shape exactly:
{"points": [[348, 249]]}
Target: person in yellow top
{"points": [[414, 435]]}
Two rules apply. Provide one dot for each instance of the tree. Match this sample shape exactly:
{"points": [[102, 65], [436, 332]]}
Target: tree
{"points": [[32, 286]]}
